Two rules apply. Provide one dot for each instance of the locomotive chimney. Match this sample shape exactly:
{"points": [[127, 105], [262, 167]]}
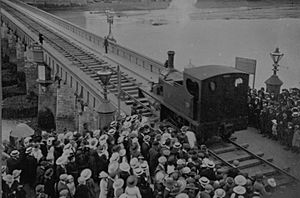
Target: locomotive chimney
{"points": [[171, 59]]}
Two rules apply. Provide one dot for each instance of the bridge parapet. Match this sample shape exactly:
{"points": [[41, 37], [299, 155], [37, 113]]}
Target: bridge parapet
{"points": [[134, 57]]}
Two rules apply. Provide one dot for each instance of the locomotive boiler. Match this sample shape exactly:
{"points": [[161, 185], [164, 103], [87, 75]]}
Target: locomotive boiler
{"points": [[210, 99]]}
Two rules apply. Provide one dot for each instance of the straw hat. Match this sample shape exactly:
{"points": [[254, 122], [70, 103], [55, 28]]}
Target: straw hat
{"points": [[103, 174], [81, 180], [63, 177], [113, 124], [16, 173], [204, 181], [131, 181], [180, 162], [61, 160], [138, 171], [124, 166], [103, 138], [113, 167], [166, 152], [210, 164], [159, 176], [182, 195], [186, 170], [122, 152], [240, 190], [177, 145], [169, 182], [134, 163], [219, 193], [272, 182], [14, 153], [147, 138], [114, 157], [86, 173], [28, 150], [8, 178], [111, 131], [49, 173], [126, 125], [240, 180], [118, 183], [162, 159], [93, 142]]}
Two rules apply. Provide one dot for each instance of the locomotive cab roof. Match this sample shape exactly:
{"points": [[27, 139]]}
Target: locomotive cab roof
{"points": [[208, 71]]}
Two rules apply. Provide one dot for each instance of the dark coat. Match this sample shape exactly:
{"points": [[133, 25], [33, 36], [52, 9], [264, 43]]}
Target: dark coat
{"points": [[28, 167], [153, 160], [145, 150], [9, 192], [82, 191], [12, 164]]}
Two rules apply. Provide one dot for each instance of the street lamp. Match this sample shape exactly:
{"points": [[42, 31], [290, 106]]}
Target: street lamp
{"points": [[104, 77], [110, 20], [105, 110], [276, 57], [274, 83]]}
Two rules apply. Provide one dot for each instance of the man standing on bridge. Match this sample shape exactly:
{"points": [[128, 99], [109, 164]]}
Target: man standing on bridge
{"points": [[105, 44]]}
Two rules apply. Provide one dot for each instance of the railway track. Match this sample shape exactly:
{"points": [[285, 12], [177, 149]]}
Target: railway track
{"points": [[224, 153], [88, 62], [249, 162]]}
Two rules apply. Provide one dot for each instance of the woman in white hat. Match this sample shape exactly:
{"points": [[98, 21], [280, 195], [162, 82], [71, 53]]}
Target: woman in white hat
{"points": [[87, 175], [106, 183]]}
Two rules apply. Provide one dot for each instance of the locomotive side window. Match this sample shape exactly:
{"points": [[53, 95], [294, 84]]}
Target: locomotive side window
{"points": [[212, 86], [238, 81]]}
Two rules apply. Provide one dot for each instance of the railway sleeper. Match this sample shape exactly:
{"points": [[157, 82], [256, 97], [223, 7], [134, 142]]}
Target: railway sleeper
{"points": [[240, 157], [252, 163], [229, 149], [125, 84]]}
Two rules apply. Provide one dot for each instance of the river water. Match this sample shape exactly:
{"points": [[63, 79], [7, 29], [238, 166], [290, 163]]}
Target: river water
{"points": [[202, 42]]}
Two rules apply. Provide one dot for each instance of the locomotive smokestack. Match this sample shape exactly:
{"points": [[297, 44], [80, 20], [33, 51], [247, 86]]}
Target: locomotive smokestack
{"points": [[171, 59]]}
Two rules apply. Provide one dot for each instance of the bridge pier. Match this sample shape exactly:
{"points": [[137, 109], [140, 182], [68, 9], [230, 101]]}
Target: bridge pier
{"points": [[31, 73], [12, 46], [20, 48], [65, 108]]}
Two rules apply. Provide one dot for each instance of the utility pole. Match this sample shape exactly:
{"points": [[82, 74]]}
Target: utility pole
{"points": [[1, 150]]}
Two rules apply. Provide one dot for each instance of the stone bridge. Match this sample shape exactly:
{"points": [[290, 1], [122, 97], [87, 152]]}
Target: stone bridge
{"points": [[73, 56]]}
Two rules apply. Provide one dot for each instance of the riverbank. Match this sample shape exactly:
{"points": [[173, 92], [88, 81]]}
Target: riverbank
{"points": [[117, 6]]}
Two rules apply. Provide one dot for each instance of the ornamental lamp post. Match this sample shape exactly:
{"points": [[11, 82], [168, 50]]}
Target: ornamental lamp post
{"points": [[273, 83], [110, 20], [105, 110]]}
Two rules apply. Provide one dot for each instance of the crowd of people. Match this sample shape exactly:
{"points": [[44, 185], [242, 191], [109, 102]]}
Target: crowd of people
{"points": [[128, 159], [277, 117]]}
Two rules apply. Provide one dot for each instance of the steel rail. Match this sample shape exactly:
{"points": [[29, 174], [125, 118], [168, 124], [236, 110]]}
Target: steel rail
{"points": [[265, 161], [71, 47]]}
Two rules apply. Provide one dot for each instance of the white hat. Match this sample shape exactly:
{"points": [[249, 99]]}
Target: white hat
{"points": [[274, 121], [114, 157], [272, 182], [28, 150], [162, 159], [111, 131], [124, 166], [103, 174], [86, 173], [138, 171], [203, 181], [61, 160], [134, 163], [219, 193], [240, 190], [16, 173], [210, 164], [126, 125], [103, 138], [186, 170], [122, 152], [113, 124], [118, 183], [93, 142], [240, 180]]}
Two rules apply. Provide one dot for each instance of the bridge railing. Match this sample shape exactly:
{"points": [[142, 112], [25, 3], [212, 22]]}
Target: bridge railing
{"points": [[128, 54]]}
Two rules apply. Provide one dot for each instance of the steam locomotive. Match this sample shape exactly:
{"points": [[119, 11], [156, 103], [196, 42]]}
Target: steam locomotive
{"points": [[211, 99]]}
